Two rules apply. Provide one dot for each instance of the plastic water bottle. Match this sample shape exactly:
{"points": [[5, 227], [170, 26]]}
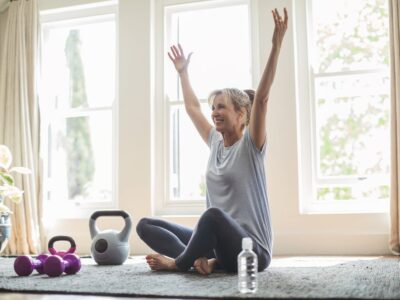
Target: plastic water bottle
{"points": [[247, 268]]}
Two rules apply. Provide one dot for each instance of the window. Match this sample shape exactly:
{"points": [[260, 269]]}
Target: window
{"points": [[78, 105], [218, 33], [343, 102]]}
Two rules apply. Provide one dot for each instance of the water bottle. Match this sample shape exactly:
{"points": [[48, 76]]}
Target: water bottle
{"points": [[247, 268]]}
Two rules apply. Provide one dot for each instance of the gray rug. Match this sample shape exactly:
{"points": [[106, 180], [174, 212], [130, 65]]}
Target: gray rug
{"points": [[290, 277]]}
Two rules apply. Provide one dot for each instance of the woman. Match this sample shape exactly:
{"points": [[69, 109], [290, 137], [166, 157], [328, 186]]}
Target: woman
{"points": [[236, 187]]}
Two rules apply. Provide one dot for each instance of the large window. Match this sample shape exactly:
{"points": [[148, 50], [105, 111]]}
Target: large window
{"points": [[77, 108], [344, 107], [218, 34]]}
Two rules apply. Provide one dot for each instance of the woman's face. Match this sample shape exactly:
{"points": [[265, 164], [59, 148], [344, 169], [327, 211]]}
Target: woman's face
{"points": [[224, 115]]}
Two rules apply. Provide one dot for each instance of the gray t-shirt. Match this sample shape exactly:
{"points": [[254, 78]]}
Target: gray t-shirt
{"points": [[236, 184]]}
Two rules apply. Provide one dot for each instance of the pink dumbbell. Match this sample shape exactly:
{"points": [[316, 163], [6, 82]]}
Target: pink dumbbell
{"points": [[24, 265]]}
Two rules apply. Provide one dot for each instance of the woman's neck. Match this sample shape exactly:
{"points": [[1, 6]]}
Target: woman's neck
{"points": [[231, 138]]}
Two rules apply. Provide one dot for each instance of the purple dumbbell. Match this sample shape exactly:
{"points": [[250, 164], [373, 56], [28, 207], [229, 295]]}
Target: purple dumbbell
{"points": [[56, 265], [24, 265]]}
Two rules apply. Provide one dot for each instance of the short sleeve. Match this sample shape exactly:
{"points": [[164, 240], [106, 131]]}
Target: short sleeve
{"points": [[213, 136], [251, 144]]}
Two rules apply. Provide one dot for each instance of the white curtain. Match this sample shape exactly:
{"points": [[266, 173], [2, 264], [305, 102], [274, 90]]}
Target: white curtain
{"points": [[395, 125], [19, 119]]}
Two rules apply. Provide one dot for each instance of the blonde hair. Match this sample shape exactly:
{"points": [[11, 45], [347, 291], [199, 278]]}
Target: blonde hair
{"points": [[240, 99]]}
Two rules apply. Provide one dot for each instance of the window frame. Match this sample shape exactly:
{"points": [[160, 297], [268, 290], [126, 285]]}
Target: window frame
{"points": [[161, 202], [306, 131], [52, 18]]}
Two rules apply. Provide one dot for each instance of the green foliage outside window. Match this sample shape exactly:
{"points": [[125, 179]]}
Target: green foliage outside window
{"points": [[80, 167], [345, 131]]}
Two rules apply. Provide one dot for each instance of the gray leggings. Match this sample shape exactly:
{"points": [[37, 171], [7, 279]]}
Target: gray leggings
{"points": [[216, 235]]}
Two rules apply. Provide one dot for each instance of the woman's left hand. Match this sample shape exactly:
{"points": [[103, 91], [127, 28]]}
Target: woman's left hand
{"points": [[280, 27]]}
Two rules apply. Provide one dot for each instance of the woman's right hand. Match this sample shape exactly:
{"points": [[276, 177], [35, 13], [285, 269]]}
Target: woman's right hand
{"points": [[178, 58]]}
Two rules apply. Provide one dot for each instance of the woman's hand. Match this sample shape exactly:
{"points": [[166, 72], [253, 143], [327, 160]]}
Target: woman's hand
{"points": [[280, 27], [178, 58]]}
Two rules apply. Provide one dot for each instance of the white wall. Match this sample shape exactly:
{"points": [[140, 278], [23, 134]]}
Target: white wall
{"points": [[294, 233]]}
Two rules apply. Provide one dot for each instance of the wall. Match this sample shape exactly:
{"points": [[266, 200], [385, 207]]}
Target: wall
{"points": [[294, 233]]}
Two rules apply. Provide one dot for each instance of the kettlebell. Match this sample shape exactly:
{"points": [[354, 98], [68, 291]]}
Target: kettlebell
{"points": [[110, 247], [57, 238]]}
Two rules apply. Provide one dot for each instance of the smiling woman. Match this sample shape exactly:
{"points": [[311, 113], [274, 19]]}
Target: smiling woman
{"points": [[237, 202], [240, 101]]}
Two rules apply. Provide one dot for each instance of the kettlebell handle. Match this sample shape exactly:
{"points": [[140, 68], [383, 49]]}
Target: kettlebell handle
{"points": [[107, 213], [124, 234], [57, 238]]}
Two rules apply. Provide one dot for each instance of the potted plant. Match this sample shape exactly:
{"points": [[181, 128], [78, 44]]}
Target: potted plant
{"points": [[8, 190]]}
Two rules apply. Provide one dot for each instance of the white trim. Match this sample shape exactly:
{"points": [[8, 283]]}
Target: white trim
{"points": [[304, 120], [79, 11], [185, 5], [158, 109], [360, 206], [349, 73], [346, 180], [178, 102], [81, 112], [255, 42], [311, 85], [52, 22]]}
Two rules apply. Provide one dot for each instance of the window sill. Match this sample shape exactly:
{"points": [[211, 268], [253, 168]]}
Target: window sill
{"points": [[346, 207]]}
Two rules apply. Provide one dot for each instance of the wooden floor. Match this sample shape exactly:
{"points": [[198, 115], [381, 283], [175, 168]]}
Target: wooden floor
{"points": [[21, 296]]}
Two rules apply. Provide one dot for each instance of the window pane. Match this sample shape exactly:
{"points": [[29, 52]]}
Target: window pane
{"points": [[352, 123], [366, 191], [220, 42], [350, 34], [188, 156], [81, 161], [79, 65]]}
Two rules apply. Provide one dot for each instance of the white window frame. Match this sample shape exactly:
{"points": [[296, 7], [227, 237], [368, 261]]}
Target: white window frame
{"points": [[80, 14], [307, 162], [162, 204]]}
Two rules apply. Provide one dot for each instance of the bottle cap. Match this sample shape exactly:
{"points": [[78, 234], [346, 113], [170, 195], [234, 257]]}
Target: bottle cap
{"points": [[247, 243]]}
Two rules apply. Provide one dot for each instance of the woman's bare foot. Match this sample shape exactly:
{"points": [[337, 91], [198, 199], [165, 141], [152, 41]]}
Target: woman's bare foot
{"points": [[160, 262], [204, 266]]}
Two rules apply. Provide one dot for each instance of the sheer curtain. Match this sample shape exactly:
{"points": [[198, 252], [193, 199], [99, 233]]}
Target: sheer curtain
{"points": [[394, 7], [19, 118]]}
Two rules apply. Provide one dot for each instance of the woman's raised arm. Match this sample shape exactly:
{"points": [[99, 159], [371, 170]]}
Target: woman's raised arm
{"points": [[259, 109], [192, 104]]}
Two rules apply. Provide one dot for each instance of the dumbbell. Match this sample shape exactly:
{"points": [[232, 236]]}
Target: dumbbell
{"points": [[56, 265], [24, 265]]}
